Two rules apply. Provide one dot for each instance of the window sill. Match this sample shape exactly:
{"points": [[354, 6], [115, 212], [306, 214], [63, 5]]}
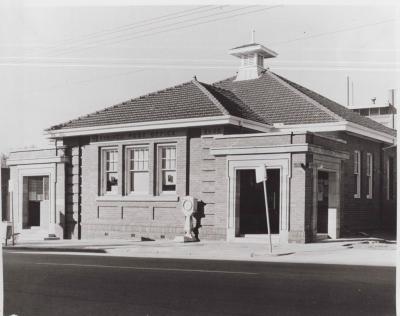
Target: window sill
{"points": [[138, 198]]}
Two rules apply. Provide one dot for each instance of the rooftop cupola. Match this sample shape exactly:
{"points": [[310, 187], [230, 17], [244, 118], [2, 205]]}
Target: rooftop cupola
{"points": [[251, 59]]}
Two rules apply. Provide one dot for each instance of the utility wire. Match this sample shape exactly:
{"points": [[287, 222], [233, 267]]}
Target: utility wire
{"points": [[335, 32], [123, 36], [74, 82], [182, 27], [138, 24]]}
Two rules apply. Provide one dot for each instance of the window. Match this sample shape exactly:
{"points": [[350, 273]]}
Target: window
{"points": [[260, 61], [374, 111], [364, 112], [357, 175], [248, 60], [384, 110], [167, 158], [110, 171], [390, 178], [370, 174], [138, 170], [38, 188]]}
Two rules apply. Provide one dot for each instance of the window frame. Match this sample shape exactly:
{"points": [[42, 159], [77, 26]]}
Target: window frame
{"points": [[160, 169], [389, 178], [128, 170], [357, 173], [104, 172], [32, 183], [370, 175]]}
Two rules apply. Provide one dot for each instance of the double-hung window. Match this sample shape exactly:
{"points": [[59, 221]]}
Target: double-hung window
{"points": [[357, 174], [109, 171], [138, 170], [370, 175], [167, 172]]}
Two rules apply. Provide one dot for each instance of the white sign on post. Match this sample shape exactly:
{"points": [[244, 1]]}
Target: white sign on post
{"points": [[261, 176], [261, 173]]}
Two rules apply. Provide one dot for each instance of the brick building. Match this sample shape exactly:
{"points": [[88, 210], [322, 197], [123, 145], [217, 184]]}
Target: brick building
{"points": [[122, 171]]}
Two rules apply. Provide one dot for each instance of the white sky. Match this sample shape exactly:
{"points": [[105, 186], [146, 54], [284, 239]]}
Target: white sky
{"points": [[59, 62]]}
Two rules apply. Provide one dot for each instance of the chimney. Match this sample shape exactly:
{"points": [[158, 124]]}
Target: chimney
{"points": [[251, 60]]}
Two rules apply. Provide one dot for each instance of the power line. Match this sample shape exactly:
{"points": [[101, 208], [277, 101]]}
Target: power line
{"points": [[138, 24], [67, 61], [123, 36], [335, 32], [97, 78], [185, 26]]}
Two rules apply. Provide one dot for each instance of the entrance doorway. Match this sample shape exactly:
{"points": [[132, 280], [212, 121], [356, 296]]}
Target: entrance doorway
{"points": [[36, 202], [250, 206], [323, 202]]}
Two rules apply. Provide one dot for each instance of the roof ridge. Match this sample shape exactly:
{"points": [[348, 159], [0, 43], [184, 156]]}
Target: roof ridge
{"points": [[345, 113], [221, 90], [117, 105], [223, 80], [214, 100], [304, 96]]}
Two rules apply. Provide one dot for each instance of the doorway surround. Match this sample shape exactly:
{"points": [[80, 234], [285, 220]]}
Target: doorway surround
{"points": [[251, 162], [332, 166]]}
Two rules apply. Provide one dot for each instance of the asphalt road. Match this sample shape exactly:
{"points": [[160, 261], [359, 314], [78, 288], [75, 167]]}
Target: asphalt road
{"points": [[49, 284]]}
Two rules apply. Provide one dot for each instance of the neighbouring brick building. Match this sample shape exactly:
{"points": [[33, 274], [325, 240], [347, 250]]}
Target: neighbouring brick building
{"points": [[122, 171]]}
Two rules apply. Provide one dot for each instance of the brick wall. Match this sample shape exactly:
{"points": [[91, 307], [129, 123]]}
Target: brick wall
{"points": [[208, 183], [124, 216], [205, 177], [359, 214], [388, 213]]}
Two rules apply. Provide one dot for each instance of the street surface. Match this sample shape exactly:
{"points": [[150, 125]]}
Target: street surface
{"points": [[38, 284]]}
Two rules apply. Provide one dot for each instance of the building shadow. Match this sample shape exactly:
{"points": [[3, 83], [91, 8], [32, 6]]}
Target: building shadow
{"points": [[198, 215]]}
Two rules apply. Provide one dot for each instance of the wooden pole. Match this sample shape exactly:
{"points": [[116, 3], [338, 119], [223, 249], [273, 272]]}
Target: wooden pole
{"points": [[267, 214], [1, 278]]}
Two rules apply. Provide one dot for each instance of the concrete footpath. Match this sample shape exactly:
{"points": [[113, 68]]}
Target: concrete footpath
{"points": [[354, 251]]}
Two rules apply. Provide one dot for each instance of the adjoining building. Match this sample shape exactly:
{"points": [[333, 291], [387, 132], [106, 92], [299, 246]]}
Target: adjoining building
{"points": [[386, 114], [122, 171]]}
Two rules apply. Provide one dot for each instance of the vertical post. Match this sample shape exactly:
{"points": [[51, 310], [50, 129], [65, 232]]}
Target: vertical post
{"points": [[1, 279], [348, 91], [11, 190], [52, 197], [267, 214]]}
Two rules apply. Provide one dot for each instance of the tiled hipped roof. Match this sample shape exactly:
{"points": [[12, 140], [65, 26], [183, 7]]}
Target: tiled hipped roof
{"points": [[341, 111], [269, 99], [279, 100], [184, 101]]}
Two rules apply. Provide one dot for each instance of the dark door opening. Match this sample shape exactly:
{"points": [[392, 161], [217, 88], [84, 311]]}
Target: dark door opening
{"points": [[34, 213], [35, 201], [251, 204], [323, 202]]}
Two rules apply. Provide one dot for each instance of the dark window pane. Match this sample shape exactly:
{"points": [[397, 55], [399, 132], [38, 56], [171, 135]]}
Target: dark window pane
{"points": [[384, 110], [374, 111]]}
